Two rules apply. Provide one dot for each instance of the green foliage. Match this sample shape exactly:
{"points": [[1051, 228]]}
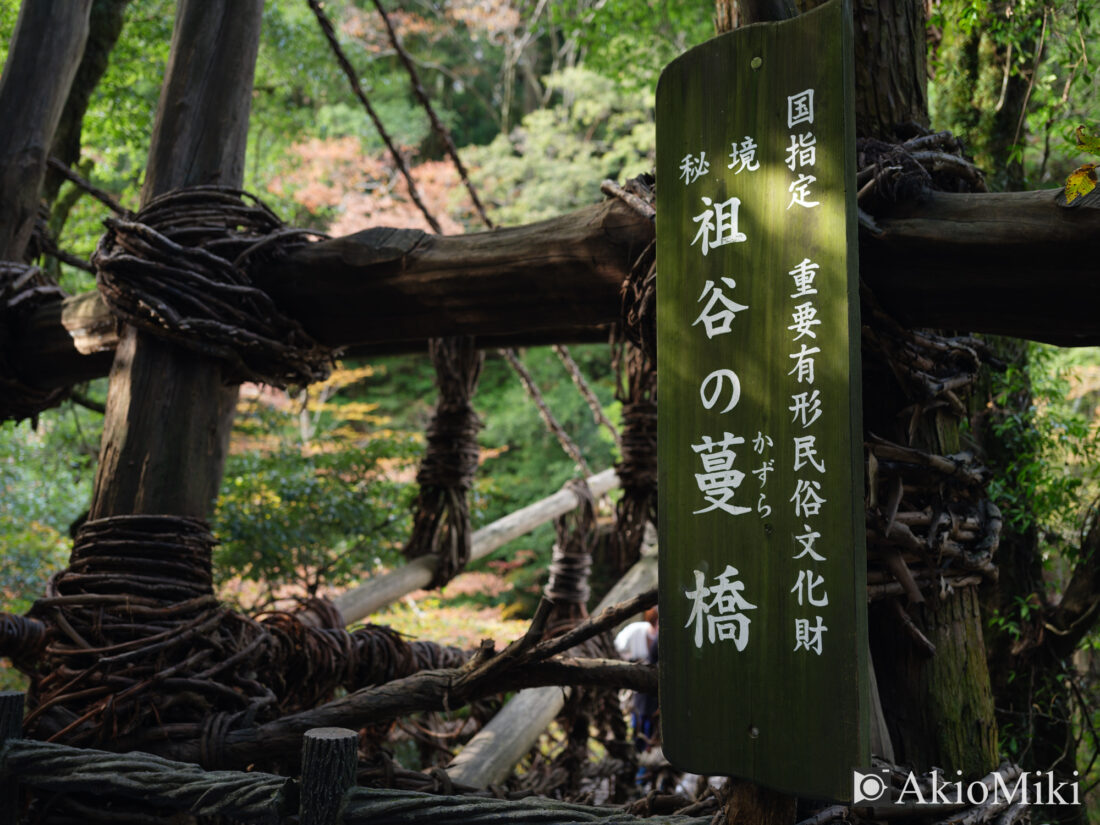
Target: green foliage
{"points": [[45, 481], [555, 160], [316, 492], [1014, 80], [289, 519], [1052, 445], [632, 40]]}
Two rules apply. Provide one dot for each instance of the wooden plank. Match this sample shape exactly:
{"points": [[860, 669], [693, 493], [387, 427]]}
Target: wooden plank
{"points": [[377, 592], [763, 592]]}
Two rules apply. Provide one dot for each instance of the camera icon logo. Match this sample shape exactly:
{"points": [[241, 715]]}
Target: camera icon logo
{"points": [[867, 787]]}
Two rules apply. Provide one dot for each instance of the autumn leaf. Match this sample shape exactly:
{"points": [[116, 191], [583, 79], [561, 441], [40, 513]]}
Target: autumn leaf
{"points": [[1080, 182], [1087, 141]]}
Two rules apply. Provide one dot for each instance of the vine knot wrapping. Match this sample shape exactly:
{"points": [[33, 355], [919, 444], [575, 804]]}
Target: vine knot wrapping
{"points": [[637, 391], [441, 523], [23, 288], [139, 649], [571, 562], [179, 270], [154, 557], [638, 314]]}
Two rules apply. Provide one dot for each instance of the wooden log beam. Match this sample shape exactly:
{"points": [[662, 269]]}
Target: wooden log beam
{"points": [[1007, 263], [1013, 264], [389, 290]]}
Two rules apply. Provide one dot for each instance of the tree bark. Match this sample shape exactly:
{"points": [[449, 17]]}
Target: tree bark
{"points": [[890, 66], [105, 25], [939, 709], [169, 412], [329, 760], [45, 52]]}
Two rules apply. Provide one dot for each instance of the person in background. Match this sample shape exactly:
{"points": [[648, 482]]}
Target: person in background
{"points": [[634, 640]]}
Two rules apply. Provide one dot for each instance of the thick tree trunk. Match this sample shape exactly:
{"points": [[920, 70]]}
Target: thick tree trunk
{"points": [[890, 66], [49, 41], [169, 413], [939, 710], [105, 25]]}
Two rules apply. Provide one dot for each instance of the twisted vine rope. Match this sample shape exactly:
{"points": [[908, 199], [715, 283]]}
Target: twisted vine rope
{"points": [[140, 650], [441, 522], [571, 561], [587, 709], [23, 288], [179, 270]]}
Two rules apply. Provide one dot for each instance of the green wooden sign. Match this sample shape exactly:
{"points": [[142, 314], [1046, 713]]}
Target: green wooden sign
{"points": [[763, 653]]}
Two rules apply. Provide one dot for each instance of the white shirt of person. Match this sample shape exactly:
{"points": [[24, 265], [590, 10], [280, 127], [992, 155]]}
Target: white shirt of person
{"points": [[632, 641]]}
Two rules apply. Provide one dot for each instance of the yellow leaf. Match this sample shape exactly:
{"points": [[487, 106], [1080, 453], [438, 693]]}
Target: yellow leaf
{"points": [[1080, 182], [1087, 140]]}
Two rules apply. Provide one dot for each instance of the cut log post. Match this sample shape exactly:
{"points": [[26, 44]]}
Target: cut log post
{"points": [[11, 727], [45, 52], [329, 760], [170, 412], [489, 757], [360, 602]]}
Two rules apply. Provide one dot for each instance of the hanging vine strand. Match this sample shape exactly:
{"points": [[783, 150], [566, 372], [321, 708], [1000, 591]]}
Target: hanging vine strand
{"points": [[437, 125], [586, 391], [441, 523], [552, 424], [357, 90]]}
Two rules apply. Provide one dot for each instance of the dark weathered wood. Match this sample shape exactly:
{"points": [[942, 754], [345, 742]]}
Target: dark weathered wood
{"points": [[105, 25], [890, 66], [1008, 263], [780, 697], [169, 412], [329, 760], [45, 52], [406, 285], [11, 727], [1012, 264]]}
